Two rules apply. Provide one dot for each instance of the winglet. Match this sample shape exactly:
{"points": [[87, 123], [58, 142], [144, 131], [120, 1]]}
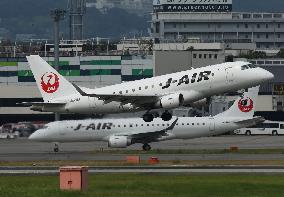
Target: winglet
{"points": [[172, 125], [252, 121]]}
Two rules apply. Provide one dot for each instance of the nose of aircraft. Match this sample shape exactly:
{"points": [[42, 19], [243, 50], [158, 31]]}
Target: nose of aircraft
{"points": [[36, 136], [267, 75]]}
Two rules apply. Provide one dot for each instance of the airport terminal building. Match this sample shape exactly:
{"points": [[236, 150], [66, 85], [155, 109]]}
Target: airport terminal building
{"points": [[181, 21]]}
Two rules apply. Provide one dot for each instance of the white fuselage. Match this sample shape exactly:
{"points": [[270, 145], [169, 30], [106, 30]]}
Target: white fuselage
{"points": [[102, 130], [193, 85]]}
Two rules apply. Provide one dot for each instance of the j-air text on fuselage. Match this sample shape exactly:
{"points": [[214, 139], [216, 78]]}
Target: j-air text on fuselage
{"points": [[166, 91], [120, 133]]}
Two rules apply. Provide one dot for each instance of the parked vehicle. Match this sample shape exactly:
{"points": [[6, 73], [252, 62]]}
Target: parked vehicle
{"points": [[8, 131], [21, 129], [266, 128]]}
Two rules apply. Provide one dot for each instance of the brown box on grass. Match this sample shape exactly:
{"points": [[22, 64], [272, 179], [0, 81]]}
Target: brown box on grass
{"points": [[153, 160], [133, 159], [74, 178]]}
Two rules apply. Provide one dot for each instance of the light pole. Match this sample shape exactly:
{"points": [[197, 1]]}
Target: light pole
{"points": [[57, 15]]}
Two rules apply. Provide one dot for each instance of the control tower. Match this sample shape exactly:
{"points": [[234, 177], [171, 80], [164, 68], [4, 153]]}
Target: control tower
{"points": [[76, 10]]}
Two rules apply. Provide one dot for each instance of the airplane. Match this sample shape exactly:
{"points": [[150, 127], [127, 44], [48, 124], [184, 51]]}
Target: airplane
{"points": [[120, 133], [166, 91]]}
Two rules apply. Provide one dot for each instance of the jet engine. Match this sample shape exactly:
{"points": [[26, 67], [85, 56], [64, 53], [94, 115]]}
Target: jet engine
{"points": [[171, 101], [119, 142]]}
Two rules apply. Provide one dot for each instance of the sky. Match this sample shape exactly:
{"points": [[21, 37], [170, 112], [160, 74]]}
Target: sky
{"points": [[259, 5]]}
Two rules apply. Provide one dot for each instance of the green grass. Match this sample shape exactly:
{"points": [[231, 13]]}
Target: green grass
{"points": [[140, 185]]}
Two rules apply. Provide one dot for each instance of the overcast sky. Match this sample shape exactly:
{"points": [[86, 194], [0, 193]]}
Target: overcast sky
{"points": [[258, 5]]}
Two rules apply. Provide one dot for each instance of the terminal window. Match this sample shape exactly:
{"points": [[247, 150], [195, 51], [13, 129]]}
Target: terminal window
{"points": [[277, 15]]}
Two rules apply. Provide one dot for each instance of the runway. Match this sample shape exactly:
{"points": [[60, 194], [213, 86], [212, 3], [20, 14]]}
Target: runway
{"points": [[26, 150], [163, 170]]}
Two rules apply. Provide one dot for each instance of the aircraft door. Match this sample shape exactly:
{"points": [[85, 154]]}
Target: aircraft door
{"points": [[229, 75], [92, 102], [212, 124]]}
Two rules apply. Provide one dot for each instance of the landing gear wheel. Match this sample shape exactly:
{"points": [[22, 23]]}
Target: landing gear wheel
{"points": [[148, 117], [56, 148], [166, 116], [146, 147]]}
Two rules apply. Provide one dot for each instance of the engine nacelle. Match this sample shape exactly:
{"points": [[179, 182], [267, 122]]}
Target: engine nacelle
{"points": [[171, 101], [118, 142]]}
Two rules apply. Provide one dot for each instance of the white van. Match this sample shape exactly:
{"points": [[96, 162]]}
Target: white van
{"points": [[266, 128]]}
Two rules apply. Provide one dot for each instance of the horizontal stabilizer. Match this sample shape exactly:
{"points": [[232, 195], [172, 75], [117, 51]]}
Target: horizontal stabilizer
{"points": [[41, 104], [252, 121]]}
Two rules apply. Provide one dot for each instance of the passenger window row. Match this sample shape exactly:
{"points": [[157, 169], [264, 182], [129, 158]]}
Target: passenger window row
{"points": [[140, 88], [142, 125]]}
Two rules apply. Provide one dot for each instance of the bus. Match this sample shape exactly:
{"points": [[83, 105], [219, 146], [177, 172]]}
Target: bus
{"points": [[265, 128]]}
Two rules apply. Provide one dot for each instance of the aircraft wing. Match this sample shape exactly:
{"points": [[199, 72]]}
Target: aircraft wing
{"points": [[149, 136], [140, 101], [252, 121]]}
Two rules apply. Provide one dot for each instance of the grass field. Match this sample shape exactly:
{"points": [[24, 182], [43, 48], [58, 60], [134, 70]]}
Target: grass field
{"points": [[149, 185]]}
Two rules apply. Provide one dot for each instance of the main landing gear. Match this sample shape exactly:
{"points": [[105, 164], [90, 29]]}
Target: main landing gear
{"points": [[146, 147], [166, 116], [149, 117]]}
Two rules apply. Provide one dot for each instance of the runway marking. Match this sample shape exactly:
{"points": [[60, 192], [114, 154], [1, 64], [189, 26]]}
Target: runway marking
{"points": [[149, 170]]}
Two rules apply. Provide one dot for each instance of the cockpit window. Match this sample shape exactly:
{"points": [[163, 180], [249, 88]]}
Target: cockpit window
{"points": [[252, 66], [245, 67], [248, 66]]}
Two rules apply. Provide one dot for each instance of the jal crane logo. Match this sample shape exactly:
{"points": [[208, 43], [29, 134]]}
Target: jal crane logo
{"points": [[245, 104], [50, 82]]}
